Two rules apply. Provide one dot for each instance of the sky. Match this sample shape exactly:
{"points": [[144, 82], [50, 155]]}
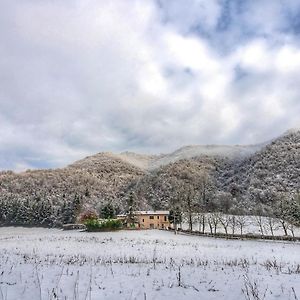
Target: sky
{"points": [[78, 77]]}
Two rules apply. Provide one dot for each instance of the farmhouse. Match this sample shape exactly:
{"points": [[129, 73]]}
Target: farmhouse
{"points": [[150, 219]]}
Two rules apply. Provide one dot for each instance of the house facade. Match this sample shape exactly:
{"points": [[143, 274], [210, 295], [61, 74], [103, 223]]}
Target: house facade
{"points": [[150, 219]]}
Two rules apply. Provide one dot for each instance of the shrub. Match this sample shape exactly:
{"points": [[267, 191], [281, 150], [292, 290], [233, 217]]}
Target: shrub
{"points": [[102, 225], [112, 224]]}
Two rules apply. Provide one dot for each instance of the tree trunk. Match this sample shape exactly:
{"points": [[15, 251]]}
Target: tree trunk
{"points": [[270, 223], [190, 222], [284, 227], [203, 224]]}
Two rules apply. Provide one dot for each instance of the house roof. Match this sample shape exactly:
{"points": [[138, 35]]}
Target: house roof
{"points": [[151, 212], [146, 212]]}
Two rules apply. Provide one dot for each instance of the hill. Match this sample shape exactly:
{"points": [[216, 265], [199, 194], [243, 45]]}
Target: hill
{"points": [[214, 177], [272, 170], [51, 197]]}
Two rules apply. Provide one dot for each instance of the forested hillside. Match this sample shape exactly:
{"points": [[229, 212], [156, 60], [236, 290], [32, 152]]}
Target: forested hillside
{"points": [[273, 170], [53, 197], [236, 179]]}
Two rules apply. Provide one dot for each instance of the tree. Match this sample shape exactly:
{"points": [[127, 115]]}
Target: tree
{"points": [[175, 217], [233, 223], [282, 211], [241, 221], [294, 209], [271, 221], [213, 220], [189, 193], [107, 211], [131, 207], [68, 213], [272, 224], [210, 223], [224, 201], [206, 191], [76, 205], [201, 218], [289, 209], [225, 221], [260, 212]]}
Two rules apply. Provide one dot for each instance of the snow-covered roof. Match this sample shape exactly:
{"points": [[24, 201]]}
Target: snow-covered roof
{"points": [[151, 212], [146, 212]]}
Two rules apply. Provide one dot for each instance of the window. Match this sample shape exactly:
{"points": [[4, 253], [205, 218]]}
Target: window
{"points": [[165, 218], [158, 217], [151, 217], [143, 220]]}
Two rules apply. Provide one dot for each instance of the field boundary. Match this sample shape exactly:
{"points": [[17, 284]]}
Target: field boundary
{"points": [[241, 236]]}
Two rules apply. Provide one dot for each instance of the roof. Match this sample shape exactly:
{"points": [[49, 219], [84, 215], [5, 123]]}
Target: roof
{"points": [[151, 212]]}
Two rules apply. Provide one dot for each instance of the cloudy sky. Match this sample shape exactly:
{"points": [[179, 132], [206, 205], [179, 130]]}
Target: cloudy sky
{"points": [[79, 77]]}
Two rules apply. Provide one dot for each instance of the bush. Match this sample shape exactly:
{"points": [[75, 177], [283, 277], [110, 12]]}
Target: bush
{"points": [[103, 225]]}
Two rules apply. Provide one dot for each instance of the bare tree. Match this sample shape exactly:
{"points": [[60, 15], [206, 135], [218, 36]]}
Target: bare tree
{"points": [[225, 221], [175, 202], [241, 222], [284, 225], [260, 212], [210, 223], [190, 203], [233, 223], [259, 220], [272, 224], [206, 192], [201, 218], [187, 194], [215, 216], [291, 228], [282, 211]]}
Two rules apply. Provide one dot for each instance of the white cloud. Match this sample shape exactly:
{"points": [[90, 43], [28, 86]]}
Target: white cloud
{"points": [[255, 56], [88, 76], [288, 59]]}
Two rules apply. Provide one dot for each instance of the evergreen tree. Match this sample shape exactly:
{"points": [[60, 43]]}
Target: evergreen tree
{"points": [[293, 209], [107, 211], [131, 205], [175, 217]]}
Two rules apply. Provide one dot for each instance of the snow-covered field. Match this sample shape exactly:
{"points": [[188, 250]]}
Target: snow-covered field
{"points": [[54, 264]]}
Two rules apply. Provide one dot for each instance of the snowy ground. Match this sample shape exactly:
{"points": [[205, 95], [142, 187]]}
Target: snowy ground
{"points": [[53, 264]]}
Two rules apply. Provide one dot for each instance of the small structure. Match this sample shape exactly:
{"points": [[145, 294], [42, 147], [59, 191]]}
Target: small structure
{"points": [[148, 219], [74, 227]]}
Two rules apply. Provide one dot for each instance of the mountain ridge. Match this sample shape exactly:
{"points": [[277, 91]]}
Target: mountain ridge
{"points": [[149, 162], [250, 175]]}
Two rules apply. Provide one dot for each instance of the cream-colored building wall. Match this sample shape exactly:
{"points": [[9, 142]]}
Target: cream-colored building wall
{"points": [[153, 221]]}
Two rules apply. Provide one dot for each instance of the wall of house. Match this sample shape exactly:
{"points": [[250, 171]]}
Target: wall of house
{"points": [[153, 221]]}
